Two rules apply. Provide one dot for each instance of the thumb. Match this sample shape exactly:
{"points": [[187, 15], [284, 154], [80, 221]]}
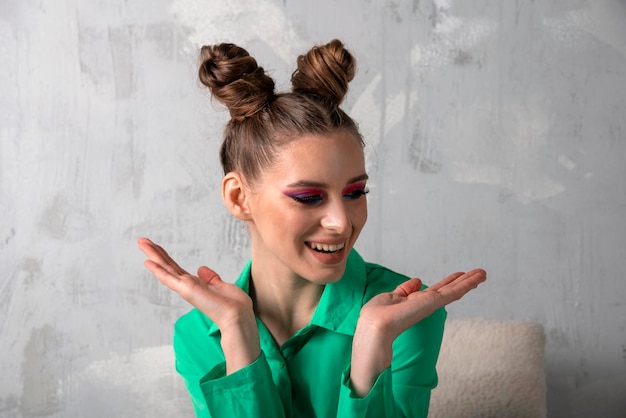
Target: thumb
{"points": [[408, 287], [208, 276]]}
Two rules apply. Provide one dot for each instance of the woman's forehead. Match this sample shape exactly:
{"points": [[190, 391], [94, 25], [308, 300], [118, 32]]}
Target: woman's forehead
{"points": [[334, 158]]}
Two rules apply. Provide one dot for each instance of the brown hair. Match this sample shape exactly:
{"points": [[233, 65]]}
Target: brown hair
{"points": [[263, 121]]}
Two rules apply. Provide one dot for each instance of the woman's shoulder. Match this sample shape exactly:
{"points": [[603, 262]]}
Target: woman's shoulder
{"points": [[382, 279]]}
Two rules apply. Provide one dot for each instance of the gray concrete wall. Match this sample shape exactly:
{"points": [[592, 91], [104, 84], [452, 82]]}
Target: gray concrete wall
{"points": [[496, 137]]}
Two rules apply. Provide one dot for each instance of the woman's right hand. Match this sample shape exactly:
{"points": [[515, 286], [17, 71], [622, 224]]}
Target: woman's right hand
{"points": [[224, 303]]}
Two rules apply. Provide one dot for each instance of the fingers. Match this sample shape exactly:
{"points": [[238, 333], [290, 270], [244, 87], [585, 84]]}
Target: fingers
{"points": [[161, 274], [476, 276], [450, 279], [472, 279], [450, 290], [455, 285], [158, 255]]}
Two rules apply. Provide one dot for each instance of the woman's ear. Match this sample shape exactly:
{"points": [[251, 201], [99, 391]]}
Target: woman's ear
{"points": [[235, 196]]}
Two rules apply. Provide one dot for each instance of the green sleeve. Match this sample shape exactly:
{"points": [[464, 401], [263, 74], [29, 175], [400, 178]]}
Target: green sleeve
{"points": [[403, 390], [249, 392]]}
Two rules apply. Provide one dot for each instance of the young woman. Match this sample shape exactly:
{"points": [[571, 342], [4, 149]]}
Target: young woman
{"points": [[309, 329]]}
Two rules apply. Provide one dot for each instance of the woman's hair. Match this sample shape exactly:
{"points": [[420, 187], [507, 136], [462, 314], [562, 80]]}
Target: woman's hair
{"points": [[263, 121]]}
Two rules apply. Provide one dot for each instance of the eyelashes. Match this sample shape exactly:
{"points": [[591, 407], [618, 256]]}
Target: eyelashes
{"points": [[355, 194], [307, 199], [355, 191], [315, 197]]}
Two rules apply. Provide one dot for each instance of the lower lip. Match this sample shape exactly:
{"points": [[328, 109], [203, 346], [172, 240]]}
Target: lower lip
{"points": [[328, 258]]}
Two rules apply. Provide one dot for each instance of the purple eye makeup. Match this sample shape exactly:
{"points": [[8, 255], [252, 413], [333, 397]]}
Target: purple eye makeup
{"points": [[309, 197], [354, 191], [315, 196]]}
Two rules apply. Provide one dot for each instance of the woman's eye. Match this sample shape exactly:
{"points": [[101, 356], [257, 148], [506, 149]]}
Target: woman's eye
{"points": [[309, 200], [353, 195]]}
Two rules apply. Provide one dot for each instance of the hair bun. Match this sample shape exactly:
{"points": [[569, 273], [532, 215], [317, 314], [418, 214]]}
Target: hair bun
{"points": [[325, 71], [235, 79]]}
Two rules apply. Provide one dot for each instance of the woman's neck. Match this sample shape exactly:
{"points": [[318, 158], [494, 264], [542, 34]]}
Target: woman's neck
{"points": [[282, 300]]}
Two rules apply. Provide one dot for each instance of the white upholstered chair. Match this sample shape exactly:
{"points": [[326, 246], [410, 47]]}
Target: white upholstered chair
{"points": [[490, 369]]}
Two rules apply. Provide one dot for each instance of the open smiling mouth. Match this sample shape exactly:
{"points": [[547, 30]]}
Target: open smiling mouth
{"points": [[326, 248]]}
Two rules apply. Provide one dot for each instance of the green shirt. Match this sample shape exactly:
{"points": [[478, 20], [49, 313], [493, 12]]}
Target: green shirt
{"points": [[308, 376]]}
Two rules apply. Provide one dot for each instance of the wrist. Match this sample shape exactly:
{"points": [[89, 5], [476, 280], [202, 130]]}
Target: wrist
{"points": [[240, 345], [372, 348], [375, 330], [371, 355]]}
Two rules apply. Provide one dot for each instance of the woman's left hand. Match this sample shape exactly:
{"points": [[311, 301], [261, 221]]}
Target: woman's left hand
{"points": [[387, 315], [394, 312]]}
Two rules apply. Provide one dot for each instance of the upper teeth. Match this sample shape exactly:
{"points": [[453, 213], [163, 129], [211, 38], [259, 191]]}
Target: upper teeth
{"points": [[326, 247]]}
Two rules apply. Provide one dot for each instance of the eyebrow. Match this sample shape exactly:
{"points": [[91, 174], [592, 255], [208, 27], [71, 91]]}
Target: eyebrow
{"points": [[307, 183]]}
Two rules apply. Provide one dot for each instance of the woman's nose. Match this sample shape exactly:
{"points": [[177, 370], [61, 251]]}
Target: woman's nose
{"points": [[336, 218]]}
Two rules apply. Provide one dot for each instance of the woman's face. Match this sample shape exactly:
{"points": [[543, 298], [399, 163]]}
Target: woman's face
{"points": [[308, 209]]}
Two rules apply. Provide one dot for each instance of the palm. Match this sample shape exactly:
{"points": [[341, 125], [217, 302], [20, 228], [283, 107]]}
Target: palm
{"points": [[206, 291], [396, 311]]}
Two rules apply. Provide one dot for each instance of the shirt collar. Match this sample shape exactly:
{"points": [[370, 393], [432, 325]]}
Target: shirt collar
{"points": [[339, 307]]}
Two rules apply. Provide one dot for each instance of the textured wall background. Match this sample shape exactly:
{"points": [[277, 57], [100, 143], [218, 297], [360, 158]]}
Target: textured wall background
{"points": [[496, 137]]}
